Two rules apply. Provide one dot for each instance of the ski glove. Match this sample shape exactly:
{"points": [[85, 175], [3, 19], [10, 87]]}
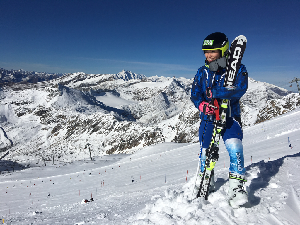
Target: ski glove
{"points": [[207, 108]]}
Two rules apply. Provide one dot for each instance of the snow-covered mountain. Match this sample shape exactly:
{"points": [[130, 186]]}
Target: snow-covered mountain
{"points": [[264, 101], [128, 75], [75, 114], [12, 76]]}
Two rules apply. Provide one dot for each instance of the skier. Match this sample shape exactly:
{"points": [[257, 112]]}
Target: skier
{"points": [[208, 85]]}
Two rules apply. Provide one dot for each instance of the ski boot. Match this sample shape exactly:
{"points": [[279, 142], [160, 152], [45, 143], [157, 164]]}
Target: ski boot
{"points": [[237, 194]]}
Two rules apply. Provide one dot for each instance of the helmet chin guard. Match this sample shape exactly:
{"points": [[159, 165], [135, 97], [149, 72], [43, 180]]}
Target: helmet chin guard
{"points": [[214, 65]]}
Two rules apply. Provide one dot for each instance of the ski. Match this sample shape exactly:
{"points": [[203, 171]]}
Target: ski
{"points": [[236, 52], [212, 152]]}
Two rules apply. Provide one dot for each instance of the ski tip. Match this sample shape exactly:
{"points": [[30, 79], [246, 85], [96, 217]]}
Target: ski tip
{"points": [[242, 37]]}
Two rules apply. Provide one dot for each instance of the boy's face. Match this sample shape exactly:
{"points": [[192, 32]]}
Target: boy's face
{"points": [[212, 55]]}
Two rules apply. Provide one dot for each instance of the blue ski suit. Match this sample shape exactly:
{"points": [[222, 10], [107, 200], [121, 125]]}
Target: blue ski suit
{"points": [[232, 134]]}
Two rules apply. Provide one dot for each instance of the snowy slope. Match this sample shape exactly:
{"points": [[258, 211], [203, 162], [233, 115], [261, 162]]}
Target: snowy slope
{"points": [[153, 185]]}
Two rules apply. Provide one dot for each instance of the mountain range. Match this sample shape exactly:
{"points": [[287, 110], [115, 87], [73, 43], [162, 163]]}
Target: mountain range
{"points": [[77, 115]]}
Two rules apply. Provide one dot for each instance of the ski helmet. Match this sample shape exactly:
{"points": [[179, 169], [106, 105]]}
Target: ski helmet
{"points": [[216, 41]]}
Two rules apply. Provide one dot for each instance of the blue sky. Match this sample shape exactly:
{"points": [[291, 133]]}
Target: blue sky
{"points": [[150, 37]]}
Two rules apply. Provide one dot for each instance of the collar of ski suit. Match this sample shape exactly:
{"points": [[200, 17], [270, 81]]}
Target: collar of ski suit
{"points": [[206, 64]]}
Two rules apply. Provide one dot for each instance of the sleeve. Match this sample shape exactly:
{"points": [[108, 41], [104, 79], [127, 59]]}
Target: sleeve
{"points": [[197, 95], [241, 86]]}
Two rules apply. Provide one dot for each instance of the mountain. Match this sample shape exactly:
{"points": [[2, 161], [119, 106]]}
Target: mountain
{"points": [[15, 76], [128, 75], [264, 101], [77, 114]]}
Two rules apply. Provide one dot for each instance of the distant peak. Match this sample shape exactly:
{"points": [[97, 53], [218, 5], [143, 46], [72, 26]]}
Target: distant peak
{"points": [[128, 75]]}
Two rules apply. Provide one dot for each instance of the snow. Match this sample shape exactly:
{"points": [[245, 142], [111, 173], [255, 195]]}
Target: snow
{"points": [[257, 99], [115, 115], [4, 141], [112, 100], [128, 75], [160, 84], [153, 186], [6, 114]]}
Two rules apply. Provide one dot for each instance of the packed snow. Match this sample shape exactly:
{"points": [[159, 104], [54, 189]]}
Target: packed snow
{"points": [[153, 186]]}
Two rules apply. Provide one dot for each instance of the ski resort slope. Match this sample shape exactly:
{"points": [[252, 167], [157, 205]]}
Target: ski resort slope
{"points": [[153, 186]]}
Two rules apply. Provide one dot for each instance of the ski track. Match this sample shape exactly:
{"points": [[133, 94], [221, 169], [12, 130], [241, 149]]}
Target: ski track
{"points": [[154, 185]]}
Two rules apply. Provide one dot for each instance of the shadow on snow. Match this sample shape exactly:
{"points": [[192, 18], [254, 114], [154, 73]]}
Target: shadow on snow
{"points": [[267, 170]]}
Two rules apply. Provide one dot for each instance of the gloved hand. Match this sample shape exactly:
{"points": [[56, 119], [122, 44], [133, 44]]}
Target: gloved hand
{"points": [[207, 108]]}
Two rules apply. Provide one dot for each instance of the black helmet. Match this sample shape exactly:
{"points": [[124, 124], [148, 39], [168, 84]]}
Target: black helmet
{"points": [[216, 41]]}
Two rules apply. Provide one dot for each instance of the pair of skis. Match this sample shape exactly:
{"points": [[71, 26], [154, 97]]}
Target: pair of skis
{"points": [[236, 52]]}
